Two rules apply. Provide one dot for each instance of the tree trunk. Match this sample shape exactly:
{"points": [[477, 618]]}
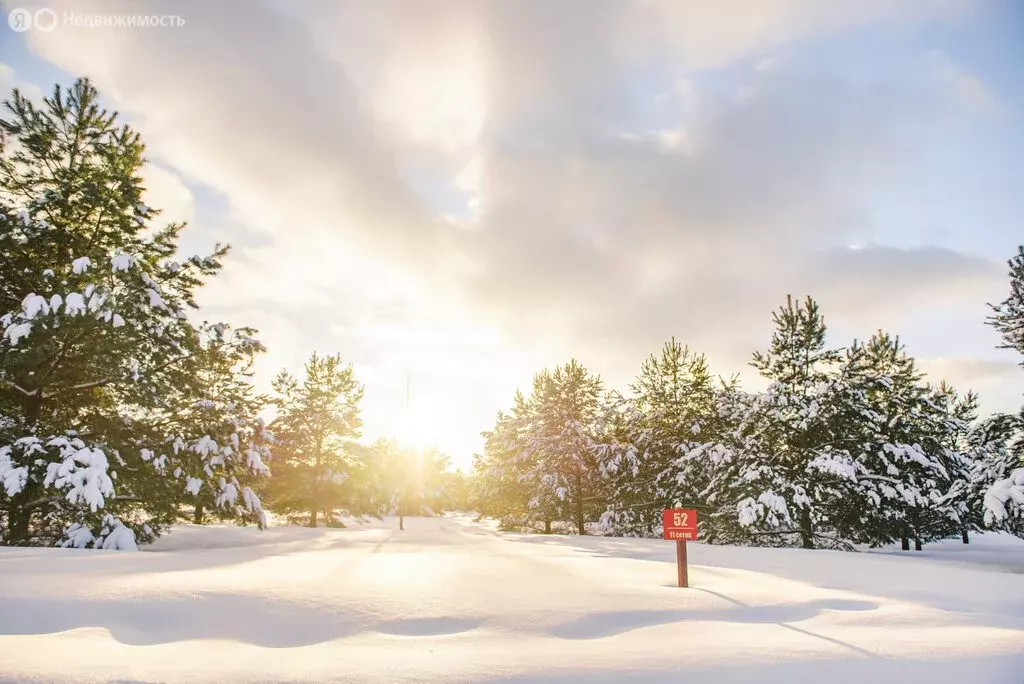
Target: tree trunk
{"points": [[806, 529], [197, 516], [917, 543], [18, 519], [547, 527], [33, 408], [964, 536], [19, 514], [317, 454], [401, 522], [905, 543], [580, 523]]}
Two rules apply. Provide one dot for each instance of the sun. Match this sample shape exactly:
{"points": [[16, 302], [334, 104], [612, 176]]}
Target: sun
{"points": [[416, 429], [433, 423]]}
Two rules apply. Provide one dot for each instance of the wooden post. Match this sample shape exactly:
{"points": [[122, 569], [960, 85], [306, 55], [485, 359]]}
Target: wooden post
{"points": [[681, 563]]}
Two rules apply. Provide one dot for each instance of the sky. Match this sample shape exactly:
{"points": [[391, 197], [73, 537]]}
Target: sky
{"points": [[456, 194]]}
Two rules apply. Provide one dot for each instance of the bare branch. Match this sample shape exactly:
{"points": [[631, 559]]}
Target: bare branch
{"points": [[27, 393]]}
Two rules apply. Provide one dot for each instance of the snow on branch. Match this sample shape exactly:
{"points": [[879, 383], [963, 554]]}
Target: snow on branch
{"points": [[82, 472], [1003, 496]]}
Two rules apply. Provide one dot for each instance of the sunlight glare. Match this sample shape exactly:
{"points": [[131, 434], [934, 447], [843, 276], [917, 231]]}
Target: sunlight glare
{"points": [[417, 429]]}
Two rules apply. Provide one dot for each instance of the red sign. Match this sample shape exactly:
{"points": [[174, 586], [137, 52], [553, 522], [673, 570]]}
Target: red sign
{"points": [[680, 524]]}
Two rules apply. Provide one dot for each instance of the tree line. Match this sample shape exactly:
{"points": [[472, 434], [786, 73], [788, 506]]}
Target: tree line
{"points": [[122, 411], [847, 446]]}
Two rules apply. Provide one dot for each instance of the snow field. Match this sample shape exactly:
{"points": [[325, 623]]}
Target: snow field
{"points": [[449, 600]]}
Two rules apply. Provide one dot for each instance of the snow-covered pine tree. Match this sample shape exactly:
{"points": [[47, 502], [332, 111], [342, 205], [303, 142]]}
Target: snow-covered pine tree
{"points": [[217, 444], [316, 424], [560, 444], [533, 462], [621, 430], [652, 436], [501, 484], [791, 473], [1008, 316], [727, 437], [998, 446], [1004, 499], [950, 417], [889, 428], [94, 311]]}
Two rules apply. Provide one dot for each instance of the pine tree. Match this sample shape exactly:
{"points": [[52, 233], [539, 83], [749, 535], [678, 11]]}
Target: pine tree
{"points": [[1008, 316], [948, 439], [560, 445], [626, 467], [411, 479], [792, 472], [96, 332], [896, 476], [454, 490], [314, 432], [727, 439], [217, 444], [501, 486], [649, 455], [1004, 498], [995, 487], [532, 462]]}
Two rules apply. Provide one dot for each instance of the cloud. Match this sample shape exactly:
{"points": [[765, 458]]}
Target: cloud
{"points": [[167, 192], [9, 79], [706, 35], [997, 381], [966, 88], [398, 173], [614, 241]]}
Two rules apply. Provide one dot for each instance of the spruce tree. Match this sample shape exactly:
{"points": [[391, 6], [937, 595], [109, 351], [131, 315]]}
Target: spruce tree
{"points": [[95, 310]]}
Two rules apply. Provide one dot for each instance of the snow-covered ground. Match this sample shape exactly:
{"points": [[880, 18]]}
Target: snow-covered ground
{"points": [[451, 601]]}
